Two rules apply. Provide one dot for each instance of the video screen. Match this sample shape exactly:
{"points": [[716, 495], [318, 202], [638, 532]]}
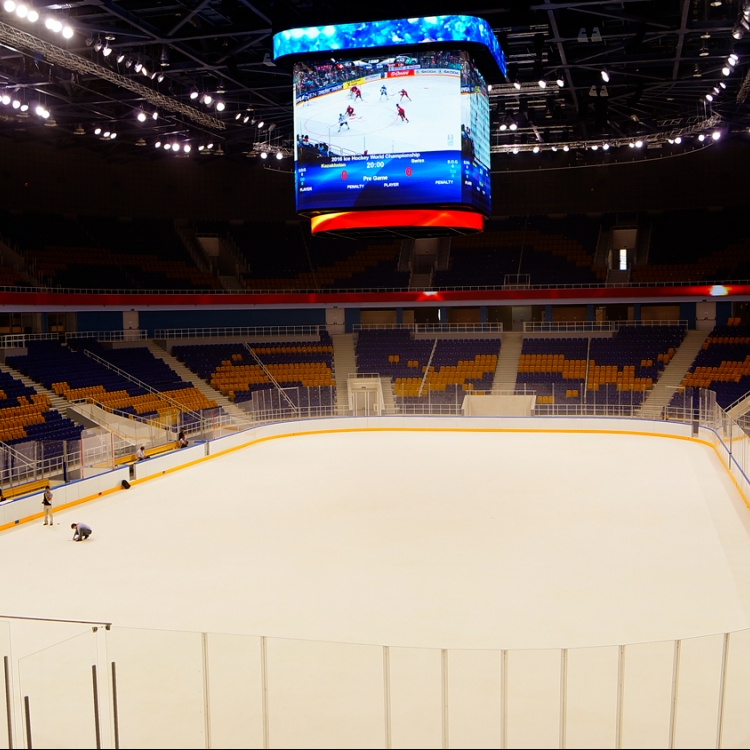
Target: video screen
{"points": [[398, 131]]}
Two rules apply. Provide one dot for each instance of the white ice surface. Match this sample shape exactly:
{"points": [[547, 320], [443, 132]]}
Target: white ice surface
{"points": [[434, 113], [470, 540]]}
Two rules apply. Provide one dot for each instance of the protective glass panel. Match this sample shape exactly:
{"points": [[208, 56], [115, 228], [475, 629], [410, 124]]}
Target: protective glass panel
{"points": [[6, 678], [736, 725], [159, 687], [57, 694], [325, 694]]}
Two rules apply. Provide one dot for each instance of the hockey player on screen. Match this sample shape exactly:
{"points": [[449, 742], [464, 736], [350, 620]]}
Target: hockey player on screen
{"points": [[404, 93], [401, 113], [356, 92], [343, 121], [350, 111], [383, 92]]}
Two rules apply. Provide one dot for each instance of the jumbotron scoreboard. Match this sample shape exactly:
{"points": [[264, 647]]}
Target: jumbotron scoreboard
{"points": [[391, 123]]}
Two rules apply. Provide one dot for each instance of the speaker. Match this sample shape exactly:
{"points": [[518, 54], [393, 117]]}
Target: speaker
{"points": [[125, 484]]}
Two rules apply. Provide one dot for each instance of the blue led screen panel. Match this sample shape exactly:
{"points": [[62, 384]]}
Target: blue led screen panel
{"points": [[399, 131], [405, 32]]}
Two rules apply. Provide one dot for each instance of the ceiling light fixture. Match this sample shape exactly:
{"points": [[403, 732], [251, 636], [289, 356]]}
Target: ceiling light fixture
{"points": [[194, 94], [141, 116], [605, 75], [220, 106], [263, 155], [120, 57]]}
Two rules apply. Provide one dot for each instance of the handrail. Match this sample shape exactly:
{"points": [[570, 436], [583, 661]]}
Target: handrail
{"points": [[431, 327], [273, 380], [176, 404], [237, 331], [737, 402], [427, 369], [373, 290], [592, 326]]}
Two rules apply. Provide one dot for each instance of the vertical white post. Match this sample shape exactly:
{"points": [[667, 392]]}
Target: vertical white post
{"points": [[722, 691], [444, 681], [675, 687], [387, 695], [620, 696], [264, 690], [504, 699], [206, 695], [563, 696]]}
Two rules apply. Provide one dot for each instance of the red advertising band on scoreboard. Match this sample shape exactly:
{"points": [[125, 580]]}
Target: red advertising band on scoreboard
{"points": [[399, 73]]}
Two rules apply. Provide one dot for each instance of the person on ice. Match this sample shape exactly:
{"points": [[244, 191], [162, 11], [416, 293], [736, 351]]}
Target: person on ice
{"points": [[47, 505], [383, 92], [401, 113], [350, 111], [343, 121], [81, 531], [404, 94]]}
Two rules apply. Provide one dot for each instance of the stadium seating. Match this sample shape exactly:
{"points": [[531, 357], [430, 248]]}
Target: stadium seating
{"points": [[104, 253], [457, 365], [69, 373], [232, 370], [25, 415], [723, 364], [616, 370]]}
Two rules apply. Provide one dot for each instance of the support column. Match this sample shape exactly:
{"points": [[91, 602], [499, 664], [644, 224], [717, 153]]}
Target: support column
{"points": [[590, 313], [547, 313], [637, 311], [399, 315]]}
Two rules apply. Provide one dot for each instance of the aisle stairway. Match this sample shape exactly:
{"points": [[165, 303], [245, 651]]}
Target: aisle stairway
{"points": [[201, 385], [674, 373], [56, 402], [344, 363], [389, 400], [507, 363]]}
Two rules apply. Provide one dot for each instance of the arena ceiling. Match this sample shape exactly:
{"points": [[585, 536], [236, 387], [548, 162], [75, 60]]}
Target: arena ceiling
{"points": [[125, 59]]}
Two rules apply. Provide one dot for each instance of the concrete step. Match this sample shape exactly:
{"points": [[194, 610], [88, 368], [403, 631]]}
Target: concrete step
{"points": [[507, 363], [740, 408], [201, 385], [56, 402], [674, 373]]}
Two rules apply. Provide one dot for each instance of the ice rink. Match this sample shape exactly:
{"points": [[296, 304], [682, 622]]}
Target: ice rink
{"points": [[434, 115], [440, 539]]}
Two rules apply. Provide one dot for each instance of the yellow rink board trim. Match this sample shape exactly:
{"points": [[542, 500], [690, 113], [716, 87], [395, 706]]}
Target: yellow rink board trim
{"points": [[267, 438]]}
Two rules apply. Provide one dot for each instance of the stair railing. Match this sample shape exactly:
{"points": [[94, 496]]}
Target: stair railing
{"points": [[427, 369], [273, 380]]}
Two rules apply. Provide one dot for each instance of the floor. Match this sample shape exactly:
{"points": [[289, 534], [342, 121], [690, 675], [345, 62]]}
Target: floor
{"points": [[441, 540]]}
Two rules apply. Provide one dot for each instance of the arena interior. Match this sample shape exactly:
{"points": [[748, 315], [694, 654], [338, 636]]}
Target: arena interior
{"points": [[374, 487]]}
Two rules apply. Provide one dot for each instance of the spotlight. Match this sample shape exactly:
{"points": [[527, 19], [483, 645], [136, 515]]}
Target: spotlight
{"points": [[261, 124], [106, 134], [57, 27], [716, 135], [160, 77], [157, 144], [701, 137], [9, 6], [709, 97], [138, 66], [245, 119], [98, 45], [22, 10], [605, 76], [238, 115], [554, 148], [639, 144], [24, 107], [263, 155], [120, 58], [33, 16], [167, 146], [16, 104], [535, 149], [113, 136], [194, 94], [513, 125], [141, 116], [128, 63], [631, 144], [560, 82], [107, 50], [703, 52], [201, 147], [220, 106], [97, 131], [722, 84], [279, 155], [670, 141], [517, 84], [145, 72], [503, 126], [678, 140], [155, 115], [726, 70], [717, 90], [186, 148], [730, 60], [515, 149], [5, 99], [210, 146], [595, 147], [207, 99], [605, 147], [153, 75], [542, 83], [734, 57], [566, 148]]}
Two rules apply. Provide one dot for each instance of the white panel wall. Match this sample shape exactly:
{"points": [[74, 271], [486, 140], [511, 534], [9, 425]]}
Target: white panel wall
{"points": [[160, 464]]}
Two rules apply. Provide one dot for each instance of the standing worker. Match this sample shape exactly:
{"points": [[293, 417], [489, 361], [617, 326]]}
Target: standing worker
{"points": [[81, 531], [47, 503]]}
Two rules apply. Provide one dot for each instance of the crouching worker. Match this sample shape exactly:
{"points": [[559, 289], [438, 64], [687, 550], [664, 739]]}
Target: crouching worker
{"points": [[81, 531]]}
